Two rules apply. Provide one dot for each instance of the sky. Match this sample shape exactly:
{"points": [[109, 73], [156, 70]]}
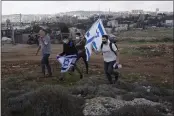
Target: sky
{"points": [[53, 7]]}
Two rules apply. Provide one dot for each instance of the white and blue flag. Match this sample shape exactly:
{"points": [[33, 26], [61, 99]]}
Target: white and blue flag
{"points": [[66, 62], [94, 37]]}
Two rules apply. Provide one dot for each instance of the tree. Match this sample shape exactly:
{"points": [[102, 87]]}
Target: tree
{"points": [[36, 28]]}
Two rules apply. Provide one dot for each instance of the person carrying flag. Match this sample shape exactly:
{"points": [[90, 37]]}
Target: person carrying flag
{"points": [[111, 58], [69, 55], [80, 46], [98, 40]]}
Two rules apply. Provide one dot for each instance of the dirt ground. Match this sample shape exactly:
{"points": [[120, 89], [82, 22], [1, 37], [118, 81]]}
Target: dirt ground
{"points": [[140, 61]]}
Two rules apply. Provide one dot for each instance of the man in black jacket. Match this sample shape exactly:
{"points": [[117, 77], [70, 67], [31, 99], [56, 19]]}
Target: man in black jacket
{"points": [[80, 45], [70, 49]]}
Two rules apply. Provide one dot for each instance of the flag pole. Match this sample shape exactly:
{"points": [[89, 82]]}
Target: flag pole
{"points": [[99, 11]]}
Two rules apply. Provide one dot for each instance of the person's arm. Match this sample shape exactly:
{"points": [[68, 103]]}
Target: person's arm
{"points": [[38, 49], [116, 50], [95, 51], [79, 43], [82, 45], [118, 60]]}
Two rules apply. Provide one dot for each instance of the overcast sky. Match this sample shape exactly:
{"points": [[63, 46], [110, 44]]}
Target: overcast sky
{"points": [[52, 7]]}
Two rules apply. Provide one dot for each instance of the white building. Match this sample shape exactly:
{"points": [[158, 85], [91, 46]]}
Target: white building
{"points": [[137, 11], [112, 23], [169, 22], [122, 27], [82, 17]]}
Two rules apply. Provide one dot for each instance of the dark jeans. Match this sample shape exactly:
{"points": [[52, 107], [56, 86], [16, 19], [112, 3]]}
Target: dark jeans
{"points": [[45, 62], [76, 68], [83, 56], [108, 68]]}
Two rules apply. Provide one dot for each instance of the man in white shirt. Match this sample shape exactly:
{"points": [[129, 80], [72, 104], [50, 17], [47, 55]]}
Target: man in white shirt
{"points": [[110, 56]]}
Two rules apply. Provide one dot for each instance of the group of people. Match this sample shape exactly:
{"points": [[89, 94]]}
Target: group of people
{"points": [[77, 47]]}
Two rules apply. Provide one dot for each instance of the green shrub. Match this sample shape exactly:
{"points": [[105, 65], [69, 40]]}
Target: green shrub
{"points": [[47, 101]]}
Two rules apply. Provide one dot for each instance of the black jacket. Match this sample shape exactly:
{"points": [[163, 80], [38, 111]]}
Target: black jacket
{"points": [[69, 49]]}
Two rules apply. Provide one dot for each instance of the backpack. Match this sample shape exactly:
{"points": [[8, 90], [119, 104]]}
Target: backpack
{"points": [[110, 45]]}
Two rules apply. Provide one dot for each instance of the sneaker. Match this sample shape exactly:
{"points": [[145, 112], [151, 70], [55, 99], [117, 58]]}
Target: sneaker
{"points": [[61, 79], [81, 76], [116, 79], [49, 75], [111, 82]]}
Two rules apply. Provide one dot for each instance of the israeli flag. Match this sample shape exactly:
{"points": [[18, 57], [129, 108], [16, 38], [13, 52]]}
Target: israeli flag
{"points": [[94, 37], [66, 62]]}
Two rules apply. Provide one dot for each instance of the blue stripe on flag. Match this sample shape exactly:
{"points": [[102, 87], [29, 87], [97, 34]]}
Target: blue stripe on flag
{"points": [[63, 68], [100, 29], [90, 40], [88, 34]]}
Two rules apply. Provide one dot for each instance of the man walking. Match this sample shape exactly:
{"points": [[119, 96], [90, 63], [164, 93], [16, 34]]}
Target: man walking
{"points": [[111, 58], [80, 45], [68, 50], [45, 46]]}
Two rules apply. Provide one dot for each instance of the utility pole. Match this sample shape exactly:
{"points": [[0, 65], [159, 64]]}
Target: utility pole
{"points": [[12, 30], [20, 19]]}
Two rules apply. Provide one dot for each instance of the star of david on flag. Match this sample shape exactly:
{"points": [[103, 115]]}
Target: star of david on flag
{"points": [[94, 37], [66, 62]]}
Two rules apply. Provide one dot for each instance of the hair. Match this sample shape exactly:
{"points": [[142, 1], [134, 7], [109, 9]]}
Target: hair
{"points": [[78, 34], [105, 36]]}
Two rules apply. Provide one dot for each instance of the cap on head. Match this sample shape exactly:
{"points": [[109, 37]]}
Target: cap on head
{"points": [[65, 39]]}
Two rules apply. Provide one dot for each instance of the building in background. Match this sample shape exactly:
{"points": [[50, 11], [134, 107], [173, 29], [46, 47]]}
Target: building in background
{"points": [[169, 23], [137, 11], [112, 23]]}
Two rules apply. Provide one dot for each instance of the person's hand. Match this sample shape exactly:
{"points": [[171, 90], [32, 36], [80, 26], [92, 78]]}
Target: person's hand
{"points": [[96, 52], [93, 49], [58, 56], [80, 51], [78, 44], [117, 62]]}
